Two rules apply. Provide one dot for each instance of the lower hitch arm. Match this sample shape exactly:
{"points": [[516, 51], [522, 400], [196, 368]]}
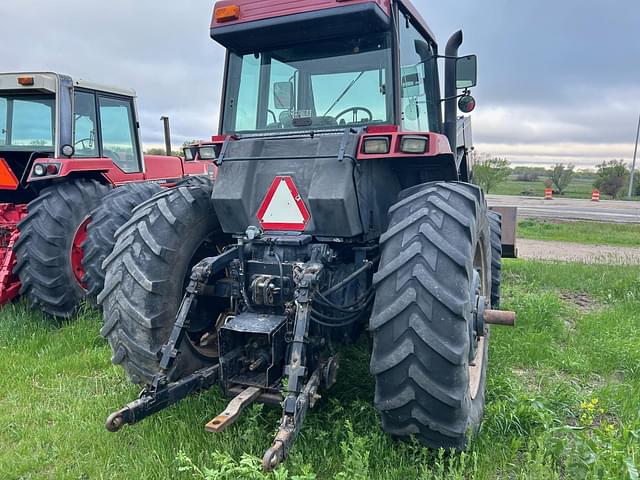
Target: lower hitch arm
{"points": [[290, 425], [151, 402], [161, 394]]}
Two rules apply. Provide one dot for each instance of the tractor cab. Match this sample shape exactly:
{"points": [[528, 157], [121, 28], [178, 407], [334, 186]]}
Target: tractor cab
{"points": [[334, 66], [51, 116], [355, 81]]}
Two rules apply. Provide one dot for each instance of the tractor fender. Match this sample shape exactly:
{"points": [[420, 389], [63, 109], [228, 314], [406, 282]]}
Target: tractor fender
{"points": [[163, 169], [103, 169]]}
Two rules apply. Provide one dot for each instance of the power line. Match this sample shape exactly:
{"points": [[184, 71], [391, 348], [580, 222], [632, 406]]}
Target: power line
{"points": [[633, 166]]}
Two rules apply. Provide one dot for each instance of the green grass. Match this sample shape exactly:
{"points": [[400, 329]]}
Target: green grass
{"points": [[542, 420], [596, 233]]}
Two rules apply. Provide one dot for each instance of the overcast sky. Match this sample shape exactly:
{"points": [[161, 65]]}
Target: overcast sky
{"points": [[559, 79]]}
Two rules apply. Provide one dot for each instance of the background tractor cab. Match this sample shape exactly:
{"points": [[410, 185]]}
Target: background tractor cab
{"points": [[63, 144], [357, 64], [70, 127]]}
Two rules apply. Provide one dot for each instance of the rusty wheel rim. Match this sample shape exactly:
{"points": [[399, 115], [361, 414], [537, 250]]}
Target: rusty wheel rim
{"points": [[476, 366]]}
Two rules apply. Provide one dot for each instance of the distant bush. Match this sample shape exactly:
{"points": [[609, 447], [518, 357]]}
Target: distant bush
{"points": [[491, 172], [561, 177], [613, 176]]}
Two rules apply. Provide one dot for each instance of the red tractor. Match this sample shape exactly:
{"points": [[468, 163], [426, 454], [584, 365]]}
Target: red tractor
{"points": [[342, 205], [64, 145]]}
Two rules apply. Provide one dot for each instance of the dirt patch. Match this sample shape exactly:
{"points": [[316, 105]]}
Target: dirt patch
{"points": [[578, 252], [582, 301]]}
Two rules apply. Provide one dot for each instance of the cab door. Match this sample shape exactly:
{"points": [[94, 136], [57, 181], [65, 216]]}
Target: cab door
{"points": [[119, 133]]}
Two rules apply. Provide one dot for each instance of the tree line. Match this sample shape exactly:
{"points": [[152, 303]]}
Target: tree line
{"points": [[611, 177]]}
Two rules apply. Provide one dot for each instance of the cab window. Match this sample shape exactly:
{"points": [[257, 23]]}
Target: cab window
{"points": [[4, 107], [419, 80], [118, 133], [85, 125], [27, 121]]}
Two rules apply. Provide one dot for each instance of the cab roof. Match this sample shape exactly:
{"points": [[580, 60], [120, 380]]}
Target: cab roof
{"points": [[50, 81], [255, 10]]}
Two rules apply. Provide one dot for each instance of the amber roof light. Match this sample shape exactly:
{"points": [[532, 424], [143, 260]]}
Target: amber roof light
{"points": [[26, 81], [227, 14]]}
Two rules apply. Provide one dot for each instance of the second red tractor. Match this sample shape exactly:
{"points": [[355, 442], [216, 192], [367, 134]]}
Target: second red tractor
{"points": [[64, 145]]}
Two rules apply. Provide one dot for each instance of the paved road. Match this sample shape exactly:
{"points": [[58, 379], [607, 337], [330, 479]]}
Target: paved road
{"points": [[615, 211]]}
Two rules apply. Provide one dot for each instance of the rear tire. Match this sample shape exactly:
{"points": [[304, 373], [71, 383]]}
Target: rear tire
{"points": [[145, 277], [44, 250], [113, 212], [495, 223], [194, 181], [423, 326]]}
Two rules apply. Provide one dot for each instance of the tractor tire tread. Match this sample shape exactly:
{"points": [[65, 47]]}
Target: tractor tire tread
{"points": [[143, 276], [421, 313], [114, 211], [44, 247]]}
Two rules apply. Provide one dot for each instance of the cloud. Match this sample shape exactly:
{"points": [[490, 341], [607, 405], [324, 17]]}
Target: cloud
{"points": [[160, 48], [580, 154], [552, 73]]}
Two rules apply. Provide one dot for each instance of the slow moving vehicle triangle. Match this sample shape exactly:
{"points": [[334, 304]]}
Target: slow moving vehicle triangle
{"points": [[282, 207]]}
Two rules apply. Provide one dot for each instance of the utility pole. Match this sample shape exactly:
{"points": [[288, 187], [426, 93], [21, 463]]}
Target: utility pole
{"points": [[633, 166], [167, 135]]}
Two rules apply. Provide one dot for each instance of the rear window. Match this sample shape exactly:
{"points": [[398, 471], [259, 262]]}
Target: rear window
{"points": [[27, 121]]}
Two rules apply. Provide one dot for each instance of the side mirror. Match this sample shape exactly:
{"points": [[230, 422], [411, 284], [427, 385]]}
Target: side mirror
{"points": [[467, 104], [466, 72], [283, 95]]}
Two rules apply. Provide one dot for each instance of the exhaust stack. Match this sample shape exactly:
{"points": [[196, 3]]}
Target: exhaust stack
{"points": [[167, 135], [450, 90]]}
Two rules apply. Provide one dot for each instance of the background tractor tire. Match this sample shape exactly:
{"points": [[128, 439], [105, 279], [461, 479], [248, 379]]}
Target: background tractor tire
{"points": [[194, 181], [115, 209], [495, 223], [145, 279], [48, 260], [429, 381]]}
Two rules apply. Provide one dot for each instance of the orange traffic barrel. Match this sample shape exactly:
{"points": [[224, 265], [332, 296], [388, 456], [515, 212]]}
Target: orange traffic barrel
{"points": [[595, 195], [548, 194]]}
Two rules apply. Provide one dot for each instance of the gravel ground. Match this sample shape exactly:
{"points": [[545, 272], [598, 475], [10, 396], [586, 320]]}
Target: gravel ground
{"points": [[577, 252]]}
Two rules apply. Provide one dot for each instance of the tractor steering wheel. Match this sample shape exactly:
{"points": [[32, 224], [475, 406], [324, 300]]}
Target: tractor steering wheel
{"points": [[83, 142], [355, 111]]}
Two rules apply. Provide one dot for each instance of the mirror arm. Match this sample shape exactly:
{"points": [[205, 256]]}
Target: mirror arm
{"points": [[463, 94], [448, 57]]}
